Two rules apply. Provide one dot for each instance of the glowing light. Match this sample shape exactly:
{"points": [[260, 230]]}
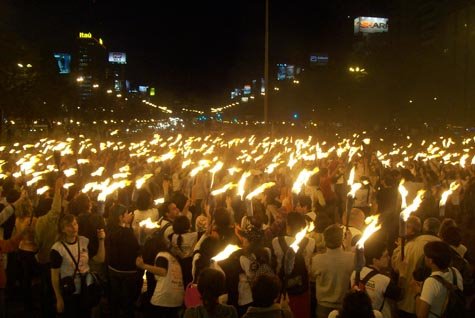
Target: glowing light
{"points": [[224, 254]]}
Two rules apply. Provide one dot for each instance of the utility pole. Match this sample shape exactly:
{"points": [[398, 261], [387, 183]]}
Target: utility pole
{"points": [[266, 67]]}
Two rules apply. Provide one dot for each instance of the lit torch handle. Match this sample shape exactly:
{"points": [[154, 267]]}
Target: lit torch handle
{"points": [[402, 235], [359, 264], [349, 206]]}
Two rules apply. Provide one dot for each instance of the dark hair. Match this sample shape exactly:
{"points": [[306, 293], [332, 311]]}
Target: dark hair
{"points": [[333, 236], [305, 200], [446, 223], [13, 195], [211, 285], [181, 225], [79, 204], [451, 235], [414, 222], [144, 200], [222, 218], [431, 226], [323, 221], [163, 209], [115, 212], [374, 248], [295, 222], [265, 289], [208, 249], [439, 253], [356, 304], [64, 220]]}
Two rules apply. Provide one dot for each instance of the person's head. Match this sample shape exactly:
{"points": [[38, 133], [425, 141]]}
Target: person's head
{"points": [[252, 236], [116, 215], [169, 210], [80, 204], [211, 285], [446, 223], [266, 289], [144, 200], [437, 255], [68, 227], [304, 204], [222, 218], [376, 253], [357, 218], [181, 225], [413, 226], [451, 235], [323, 221], [13, 195], [295, 223], [431, 226], [333, 236], [356, 304]]}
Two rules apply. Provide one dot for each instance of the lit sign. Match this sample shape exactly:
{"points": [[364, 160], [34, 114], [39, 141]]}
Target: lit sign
{"points": [[152, 91], [83, 35], [319, 59], [64, 61], [371, 25], [247, 89], [117, 57]]}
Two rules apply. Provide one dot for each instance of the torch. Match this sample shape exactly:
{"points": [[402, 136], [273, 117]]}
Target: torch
{"points": [[404, 216], [373, 226], [443, 200], [288, 261], [351, 196], [402, 224], [257, 191]]}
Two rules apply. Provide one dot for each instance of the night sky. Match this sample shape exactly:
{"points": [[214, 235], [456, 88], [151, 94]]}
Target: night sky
{"points": [[193, 49]]}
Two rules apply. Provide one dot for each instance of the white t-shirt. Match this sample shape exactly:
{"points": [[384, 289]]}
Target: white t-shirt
{"points": [[187, 246], [169, 291], [435, 294], [244, 286], [376, 289]]}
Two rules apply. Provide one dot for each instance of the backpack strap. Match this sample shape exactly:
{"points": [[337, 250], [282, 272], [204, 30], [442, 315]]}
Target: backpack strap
{"points": [[368, 276], [76, 263], [450, 288], [283, 244]]}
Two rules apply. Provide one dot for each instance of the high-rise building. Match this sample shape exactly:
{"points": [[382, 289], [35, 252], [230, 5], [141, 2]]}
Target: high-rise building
{"points": [[116, 71], [91, 65]]}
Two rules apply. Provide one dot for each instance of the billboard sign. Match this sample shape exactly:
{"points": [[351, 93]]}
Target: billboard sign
{"points": [[247, 90], [143, 89], [64, 62], [117, 58], [370, 25], [319, 59], [281, 71], [290, 72]]}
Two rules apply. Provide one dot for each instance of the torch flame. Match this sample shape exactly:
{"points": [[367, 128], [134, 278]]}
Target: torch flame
{"points": [[140, 182], [351, 178], [259, 190], [225, 188], [403, 191], [228, 250], [453, 186], [147, 223], [414, 206], [42, 190], [302, 179], [373, 226], [354, 187], [298, 238], [242, 183]]}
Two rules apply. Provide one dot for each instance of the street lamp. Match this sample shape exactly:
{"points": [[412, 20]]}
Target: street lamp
{"points": [[80, 79], [20, 65]]}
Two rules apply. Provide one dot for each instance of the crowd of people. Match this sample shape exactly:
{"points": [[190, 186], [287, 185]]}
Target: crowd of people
{"points": [[131, 255]]}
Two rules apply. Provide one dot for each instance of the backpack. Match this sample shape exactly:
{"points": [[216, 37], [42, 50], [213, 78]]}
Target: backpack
{"points": [[455, 302], [365, 280], [294, 272], [257, 268]]}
